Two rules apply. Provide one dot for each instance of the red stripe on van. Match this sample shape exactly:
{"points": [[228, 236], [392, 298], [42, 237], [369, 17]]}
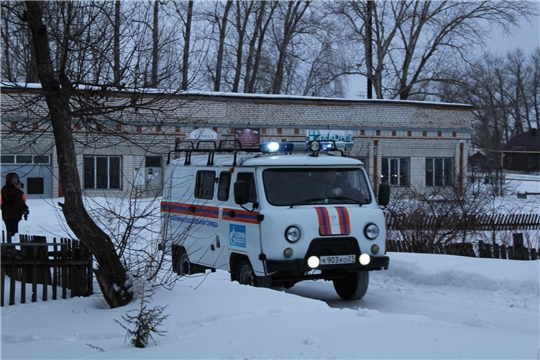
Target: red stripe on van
{"points": [[190, 209], [324, 221], [240, 216], [344, 221]]}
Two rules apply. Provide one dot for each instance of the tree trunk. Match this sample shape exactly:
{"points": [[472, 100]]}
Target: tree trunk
{"points": [[116, 46], [254, 58], [110, 274], [290, 27], [222, 33], [155, 46], [187, 39]]}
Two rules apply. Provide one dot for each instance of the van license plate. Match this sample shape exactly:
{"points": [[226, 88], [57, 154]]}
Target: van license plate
{"points": [[338, 259]]}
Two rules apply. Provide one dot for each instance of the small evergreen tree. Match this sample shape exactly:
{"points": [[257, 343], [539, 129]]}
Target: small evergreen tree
{"points": [[144, 322]]}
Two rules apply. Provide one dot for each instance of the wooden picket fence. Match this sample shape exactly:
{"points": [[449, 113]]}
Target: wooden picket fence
{"points": [[64, 264], [481, 249], [480, 222], [418, 230]]}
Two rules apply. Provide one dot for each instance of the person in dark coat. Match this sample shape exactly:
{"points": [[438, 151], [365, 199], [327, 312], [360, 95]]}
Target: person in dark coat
{"points": [[13, 204]]}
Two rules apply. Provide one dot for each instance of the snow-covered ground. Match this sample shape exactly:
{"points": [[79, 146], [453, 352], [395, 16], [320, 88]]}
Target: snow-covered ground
{"points": [[423, 307]]}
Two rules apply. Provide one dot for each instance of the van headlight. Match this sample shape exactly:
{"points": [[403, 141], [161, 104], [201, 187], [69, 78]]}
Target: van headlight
{"points": [[292, 234], [371, 231]]}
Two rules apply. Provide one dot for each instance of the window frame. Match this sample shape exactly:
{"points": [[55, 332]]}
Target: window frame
{"points": [[439, 172], [224, 185], [249, 178], [204, 184], [26, 159], [104, 172], [400, 166]]}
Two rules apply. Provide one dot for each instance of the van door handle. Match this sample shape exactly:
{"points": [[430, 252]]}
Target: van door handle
{"points": [[231, 213], [192, 209]]}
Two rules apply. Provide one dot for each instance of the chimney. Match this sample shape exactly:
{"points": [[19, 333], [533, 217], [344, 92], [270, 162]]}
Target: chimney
{"points": [[533, 132]]}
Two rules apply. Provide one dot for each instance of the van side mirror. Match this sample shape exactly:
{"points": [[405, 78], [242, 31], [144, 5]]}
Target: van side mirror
{"points": [[241, 192], [384, 194]]}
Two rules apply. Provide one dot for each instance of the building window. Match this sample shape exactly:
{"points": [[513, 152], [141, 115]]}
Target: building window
{"points": [[396, 171], [8, 159], [102, 172], [26, 159], [439, 172], [204, 184]]}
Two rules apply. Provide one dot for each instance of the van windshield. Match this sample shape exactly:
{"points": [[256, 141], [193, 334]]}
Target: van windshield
{"points": [[287, 187]]}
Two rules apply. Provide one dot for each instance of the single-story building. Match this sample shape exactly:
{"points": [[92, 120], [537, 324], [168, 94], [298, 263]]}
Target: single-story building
{"points": [[409, 144]]}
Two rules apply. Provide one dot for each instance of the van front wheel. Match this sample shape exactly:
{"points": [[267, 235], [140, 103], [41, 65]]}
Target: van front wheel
{"points": [[353, 286], [244, 273]]}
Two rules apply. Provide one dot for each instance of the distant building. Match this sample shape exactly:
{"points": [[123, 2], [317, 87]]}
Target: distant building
{"points": [[522, 153], [478, 162]]}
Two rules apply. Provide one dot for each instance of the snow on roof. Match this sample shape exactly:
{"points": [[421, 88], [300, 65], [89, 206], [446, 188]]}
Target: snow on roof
{"points": [[202, 93]]}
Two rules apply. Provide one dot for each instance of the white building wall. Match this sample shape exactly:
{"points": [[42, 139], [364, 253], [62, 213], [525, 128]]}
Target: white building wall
{"points": [[380, 128]]}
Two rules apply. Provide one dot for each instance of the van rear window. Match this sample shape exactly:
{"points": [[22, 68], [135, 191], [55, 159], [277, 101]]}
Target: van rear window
{"points": [[224, 185], [204, 185]]}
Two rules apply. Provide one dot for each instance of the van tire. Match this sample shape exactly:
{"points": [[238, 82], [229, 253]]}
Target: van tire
{"points": [[353, 286], [246, 276], [244, 273], [181, 264]]}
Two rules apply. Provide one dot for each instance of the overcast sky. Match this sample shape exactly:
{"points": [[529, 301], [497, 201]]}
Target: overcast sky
{"points": [[526, 38]]}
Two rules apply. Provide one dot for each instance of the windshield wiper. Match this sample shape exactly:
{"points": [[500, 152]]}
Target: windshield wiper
{"points": [[342, 198]]}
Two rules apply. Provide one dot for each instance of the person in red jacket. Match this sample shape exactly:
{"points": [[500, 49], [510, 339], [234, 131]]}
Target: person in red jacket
{"points": [[13, 204]]}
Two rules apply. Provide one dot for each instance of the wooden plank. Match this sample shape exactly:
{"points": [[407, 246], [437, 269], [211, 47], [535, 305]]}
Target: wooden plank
{"points": [[503, 252], [64, 269], [24, 274], [34, 276], [496, 252], [481, 249], [3, 281], [55, 271]]}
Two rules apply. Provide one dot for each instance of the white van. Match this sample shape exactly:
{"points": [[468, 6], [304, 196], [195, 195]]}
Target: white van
{"points": [[275, 215]]}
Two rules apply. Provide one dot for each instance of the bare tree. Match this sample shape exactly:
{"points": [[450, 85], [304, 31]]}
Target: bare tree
{"points": [[111, 274], [187, 39], [222, 26], [155, 46], [504, 91], [243, 11], [292, 13], [413, 40], [253, 59]]}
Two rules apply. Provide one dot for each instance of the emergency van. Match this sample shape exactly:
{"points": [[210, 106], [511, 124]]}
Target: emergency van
{"points": [[275, 215]]}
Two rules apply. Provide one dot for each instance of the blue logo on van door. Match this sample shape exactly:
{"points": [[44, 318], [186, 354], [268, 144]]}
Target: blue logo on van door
{"points": [[237, 235]]}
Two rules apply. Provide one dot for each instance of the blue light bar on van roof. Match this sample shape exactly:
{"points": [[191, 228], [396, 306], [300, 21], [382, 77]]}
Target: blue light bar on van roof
{"points": [[295, 146]]}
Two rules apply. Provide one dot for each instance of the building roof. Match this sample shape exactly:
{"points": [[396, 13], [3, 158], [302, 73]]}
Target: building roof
{"points": [[528, 141]]}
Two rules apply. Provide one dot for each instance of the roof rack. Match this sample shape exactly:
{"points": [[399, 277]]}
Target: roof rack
{"points": [[210, 147]]}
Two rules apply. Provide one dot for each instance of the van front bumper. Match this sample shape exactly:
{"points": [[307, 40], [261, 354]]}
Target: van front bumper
{"points": [[300, 265]]}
